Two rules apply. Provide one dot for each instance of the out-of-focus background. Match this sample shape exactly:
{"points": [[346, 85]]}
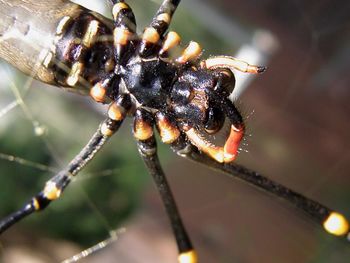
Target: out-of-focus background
{"points": [[297, 114]]}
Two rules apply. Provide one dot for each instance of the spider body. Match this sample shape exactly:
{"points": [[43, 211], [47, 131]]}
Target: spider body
{"points": [[184, 97], [190, 94], [150, 82], [194, 97]]}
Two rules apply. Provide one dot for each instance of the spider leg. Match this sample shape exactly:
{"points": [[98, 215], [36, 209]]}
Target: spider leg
{"points": [[147, 147], [232, 63], [56, 185], [228, 152], [163, 16], [332, 221], [124, 30], [159, 25]]}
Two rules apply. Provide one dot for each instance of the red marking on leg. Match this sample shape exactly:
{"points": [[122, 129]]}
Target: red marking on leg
{"points": [[225, 154], [232, 143]]}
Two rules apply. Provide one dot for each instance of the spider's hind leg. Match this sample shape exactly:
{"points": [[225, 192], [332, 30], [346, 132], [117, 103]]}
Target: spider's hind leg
{"points": [[156, 30], [333, 222], [56, 185], [162, 19], [124, 30], [146, 143]]}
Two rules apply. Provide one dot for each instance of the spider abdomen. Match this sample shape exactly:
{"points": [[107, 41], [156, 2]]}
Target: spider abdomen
{"points": [[83, 51]]}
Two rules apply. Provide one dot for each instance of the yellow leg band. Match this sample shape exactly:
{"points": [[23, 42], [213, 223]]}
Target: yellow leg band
{"points": [[336, 224], [188, 257]]}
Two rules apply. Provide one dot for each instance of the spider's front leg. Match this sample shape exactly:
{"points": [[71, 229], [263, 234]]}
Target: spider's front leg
{"points": [[146, 143], [55, 186], [333, 222]]}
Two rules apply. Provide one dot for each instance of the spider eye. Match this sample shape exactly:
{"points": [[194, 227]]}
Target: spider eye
{"points": [[215, 119]]}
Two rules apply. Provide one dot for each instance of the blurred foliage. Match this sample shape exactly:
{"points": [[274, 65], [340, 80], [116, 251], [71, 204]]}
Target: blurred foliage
{"points": [[114, 179]]}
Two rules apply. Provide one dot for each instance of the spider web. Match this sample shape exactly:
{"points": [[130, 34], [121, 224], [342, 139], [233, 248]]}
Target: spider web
{"points": [[298, 136]]}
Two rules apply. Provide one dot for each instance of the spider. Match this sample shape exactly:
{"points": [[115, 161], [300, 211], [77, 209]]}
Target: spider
{"points": [[184, 97]]}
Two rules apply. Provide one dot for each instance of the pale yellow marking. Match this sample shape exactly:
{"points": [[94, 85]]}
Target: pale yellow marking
{"points": [[164, 17], [117, 8], [115, 112], [62, 24], [169, 135], [172, 39], [121, 35], [36, 204], [229, 62], [191, 52], [51, 192], [168, 132], [45, 56], [53, 47], [336, 224], [150, 35], [73, 76], [105, 130], [90, 34], [47, 60], [188, 257], [98, 92], [142, 130]]}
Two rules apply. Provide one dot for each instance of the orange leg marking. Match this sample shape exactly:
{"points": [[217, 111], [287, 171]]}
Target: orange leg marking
{"points": [[225, 154]]}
